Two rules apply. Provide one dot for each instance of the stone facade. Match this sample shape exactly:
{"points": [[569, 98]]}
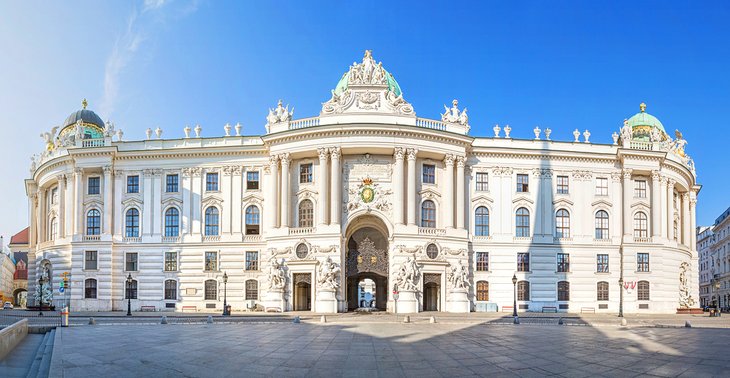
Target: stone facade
{"points": [[714, 246]]}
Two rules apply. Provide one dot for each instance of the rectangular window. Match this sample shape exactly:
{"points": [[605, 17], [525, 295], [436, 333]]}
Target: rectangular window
{"points": [[602, 291], [640, 189], [429, 174], [93, 187], [171, 289], [562, 184], [90, 289], [482, 182], [54, 196], [601, 186], [252, 180], [130, 264], [602, 263], [171, 184], [563, 262], [170, 261], [252, 260], [523, 262], [305, 173], [211, 261], [211, 182], [90, 260], [523, 183], [130, 291], [132, 184], [252, 290], [482, 261], [642, 262]]}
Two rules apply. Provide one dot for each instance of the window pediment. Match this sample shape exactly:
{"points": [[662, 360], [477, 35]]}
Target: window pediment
{"points": [[212, 200], [563, 201], [91, 202], [171, 201], [482, 198], [640, 204], [429, 193], [602, 203], [523, 199]]}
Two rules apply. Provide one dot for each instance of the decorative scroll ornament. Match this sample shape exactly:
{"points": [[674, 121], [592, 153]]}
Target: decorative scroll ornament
{"points": [[685, 299], [279, 114], [329, 275], [454, 115]]}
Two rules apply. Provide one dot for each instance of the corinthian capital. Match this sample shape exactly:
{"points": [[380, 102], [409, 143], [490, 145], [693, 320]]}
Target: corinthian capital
{"points": [[655, 175], [108, 169], [460, 161], [335, 153], [412, 152], [285, 159], [399, 153], [627, 173], [273, 160], [449, 159], [322, 152]]}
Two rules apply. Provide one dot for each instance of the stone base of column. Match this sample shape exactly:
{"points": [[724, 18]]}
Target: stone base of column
{"points": [[274, 300], [407, 302], [326, 302], [458, 301]]}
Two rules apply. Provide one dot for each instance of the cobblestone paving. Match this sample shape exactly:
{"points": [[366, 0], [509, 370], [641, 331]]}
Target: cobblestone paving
{"points": [[388, 349]]}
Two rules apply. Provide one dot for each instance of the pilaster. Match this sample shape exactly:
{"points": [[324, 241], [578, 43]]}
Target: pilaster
{"points": [[447, 207], [336, 185], [411, 191]]}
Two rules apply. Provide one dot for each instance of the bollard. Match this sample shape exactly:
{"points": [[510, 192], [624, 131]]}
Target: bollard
{"points": [[406, 319], [560, 321], [323, 319], [92, 321], [210, 319], [687, 324], [296, 320], [163, 320], [517, 320], [64, 317], [624, 322], [432, 320]]}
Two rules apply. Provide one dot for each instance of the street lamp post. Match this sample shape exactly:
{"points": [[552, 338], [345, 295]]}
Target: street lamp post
{"points": [[514, 295], [621, 297], [717, 291], [129, 294], [225, 299], [40, 297]]}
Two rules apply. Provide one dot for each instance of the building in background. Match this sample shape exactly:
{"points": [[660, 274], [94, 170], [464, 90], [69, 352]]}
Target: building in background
{"points": [[714, 244], [7, 270], [19, 248]]}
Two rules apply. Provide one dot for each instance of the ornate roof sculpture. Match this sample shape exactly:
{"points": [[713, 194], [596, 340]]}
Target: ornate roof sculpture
{"points": [[645, 126], [367, 88]]}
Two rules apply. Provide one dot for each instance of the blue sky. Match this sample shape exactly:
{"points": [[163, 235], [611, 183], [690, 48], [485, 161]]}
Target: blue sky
{"points": [[171, 63]]}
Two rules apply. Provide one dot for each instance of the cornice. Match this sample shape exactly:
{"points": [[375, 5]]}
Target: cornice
{"points": [[386, 130]]}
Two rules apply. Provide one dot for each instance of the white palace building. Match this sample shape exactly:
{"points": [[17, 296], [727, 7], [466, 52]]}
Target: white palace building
{"points": [[365, 196]]}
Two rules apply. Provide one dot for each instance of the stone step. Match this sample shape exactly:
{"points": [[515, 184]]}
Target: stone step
{"points": [[33, 370], [45, 366]]}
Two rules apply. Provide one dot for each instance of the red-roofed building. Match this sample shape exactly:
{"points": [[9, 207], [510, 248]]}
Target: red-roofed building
{"points": [[19, 246]]}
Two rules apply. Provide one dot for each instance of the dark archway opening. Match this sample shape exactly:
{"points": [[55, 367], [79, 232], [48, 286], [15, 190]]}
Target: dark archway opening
{"points": [[367, 260]]}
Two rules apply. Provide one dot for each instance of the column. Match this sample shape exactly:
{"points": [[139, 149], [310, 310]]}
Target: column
{"points": [[411, 191], [627, 199], [685, 220], [79, 203], [273, 206], [336, 185], [656, 207], [398, 186], [447, 207], [666, 209], [323, 195], [616, 219], [156, 217], [693, 220], [32, 216], [285, 189], [237, 174], [226, 186], [118, 194], [108, 199], [41, 217], [147, 205], [670, 209], [196, 204], [61, 206], [460, 162]]}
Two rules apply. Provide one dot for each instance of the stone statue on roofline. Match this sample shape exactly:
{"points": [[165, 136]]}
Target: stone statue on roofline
{"points": [[279, 114]]}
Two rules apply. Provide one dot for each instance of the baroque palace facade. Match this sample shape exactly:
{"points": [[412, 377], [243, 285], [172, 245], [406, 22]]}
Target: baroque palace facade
{"points": [[364, 195]]}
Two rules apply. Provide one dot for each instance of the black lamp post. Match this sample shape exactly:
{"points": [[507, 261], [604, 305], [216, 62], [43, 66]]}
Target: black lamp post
{"points": [[717, 290], [514, 296], [40, 298], [129, 294], [225, 302], [621, 297]]}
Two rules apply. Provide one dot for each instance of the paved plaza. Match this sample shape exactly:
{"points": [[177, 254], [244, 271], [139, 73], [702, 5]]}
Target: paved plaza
{"points": [[371, 349]]}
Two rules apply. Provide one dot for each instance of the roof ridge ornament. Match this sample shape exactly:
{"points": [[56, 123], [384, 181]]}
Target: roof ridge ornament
{"points": [[84, 103], [642, 107], [454, 115]]}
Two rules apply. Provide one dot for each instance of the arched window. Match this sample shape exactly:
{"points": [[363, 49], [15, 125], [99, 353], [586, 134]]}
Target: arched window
{"points": [[641, 228], [306, 213], [93, 222], [642, 291], [563, 291], [483, 291], [562, 224], [172, 222], [602, 224], [90, 288], [522, 222], [252, 220], [602, 291], [252, 290], [53, 233], [211, 221], [130, 289], [481, 221], [170, 289], [676, 230], [211, 290], [428, 214], [132, 223], [523, 291]]}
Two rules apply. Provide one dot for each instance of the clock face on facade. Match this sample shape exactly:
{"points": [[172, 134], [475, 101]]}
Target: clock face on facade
{"points": [[367, 194]]}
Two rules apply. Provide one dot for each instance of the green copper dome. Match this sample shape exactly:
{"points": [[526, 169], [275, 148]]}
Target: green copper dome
{"points": [[642, 123], [392, 84]]}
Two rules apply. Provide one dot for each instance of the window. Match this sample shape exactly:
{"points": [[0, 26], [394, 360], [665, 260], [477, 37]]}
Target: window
{"points": [[523, 291], [211, 290], [211, 261], [642, 291], [171, 183], [562, 224], [170, 261], [522, 222], [252, 260], [602, 291], [53, 229], [562, 184], [130, 262], [601, 186], [641, 227], [602, 263], [563, 291], [132, 223], [211, 181], [93, 222], [93, 185], [170, 289], [602, 225], [130, 291], [676, 230], [90, 258], [132, 184], [252, 290], [429, 174], [563, 262], [90, 288], [54, 196], [305, 173], [302, 250], [523, 183], [432, 251], [482, 261], [482, 182], [211, 221], [481, 221], [428, 214], [306, 214], [523, 262], [640, 189], [642, 262], [252, 180], [252, 220], [172, 222], [483, 291]]}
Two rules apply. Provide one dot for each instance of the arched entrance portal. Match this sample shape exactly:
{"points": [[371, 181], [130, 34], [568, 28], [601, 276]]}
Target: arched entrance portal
{"points": [[20, 298], [367, 264]]}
